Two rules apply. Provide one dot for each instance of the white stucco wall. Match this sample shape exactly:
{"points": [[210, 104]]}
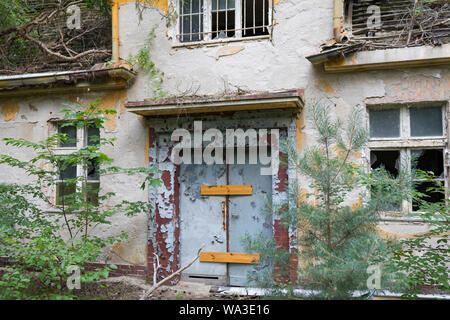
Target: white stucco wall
{"points": [[262, 65], [301, 26]]}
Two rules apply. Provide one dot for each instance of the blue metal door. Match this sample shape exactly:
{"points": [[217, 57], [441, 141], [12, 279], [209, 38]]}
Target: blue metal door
{"points": [[246, 217], [219, 223]]}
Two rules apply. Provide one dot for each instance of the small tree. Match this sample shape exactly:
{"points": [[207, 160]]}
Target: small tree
{"points": [[42, 245], [337, 239]]}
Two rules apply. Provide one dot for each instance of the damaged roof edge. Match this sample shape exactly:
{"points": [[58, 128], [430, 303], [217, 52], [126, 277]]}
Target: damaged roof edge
{"points": [[346, 59], [289, 99], [18, 84]]}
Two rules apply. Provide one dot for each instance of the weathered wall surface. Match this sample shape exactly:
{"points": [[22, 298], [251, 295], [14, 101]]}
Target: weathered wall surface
{"points": [[264, 65], [27, 117]]}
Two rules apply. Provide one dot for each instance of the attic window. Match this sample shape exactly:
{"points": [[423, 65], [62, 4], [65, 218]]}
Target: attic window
{"points": [[223, 19]]}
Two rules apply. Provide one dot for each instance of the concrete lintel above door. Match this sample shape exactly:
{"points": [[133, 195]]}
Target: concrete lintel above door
{"points": [[290, 99]]}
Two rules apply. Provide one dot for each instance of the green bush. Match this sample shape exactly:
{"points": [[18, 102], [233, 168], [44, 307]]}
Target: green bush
{"points": [[41, 246]]}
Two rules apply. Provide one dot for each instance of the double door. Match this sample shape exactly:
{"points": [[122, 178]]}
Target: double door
{"points": [[219, 223]]}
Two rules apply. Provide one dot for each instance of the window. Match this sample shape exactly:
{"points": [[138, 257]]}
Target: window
{"points": [[77, 139], [221, 19], [409, 132]]}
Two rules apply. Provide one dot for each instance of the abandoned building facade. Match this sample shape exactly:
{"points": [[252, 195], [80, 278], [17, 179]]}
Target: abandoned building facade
{"points": [[241, 64]]}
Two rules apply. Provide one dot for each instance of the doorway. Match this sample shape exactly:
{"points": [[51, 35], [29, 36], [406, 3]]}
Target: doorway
{"points": [[220, 222]]}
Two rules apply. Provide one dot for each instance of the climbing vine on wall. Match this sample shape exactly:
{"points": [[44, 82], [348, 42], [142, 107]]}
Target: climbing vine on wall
{"points": [[144, 61]]}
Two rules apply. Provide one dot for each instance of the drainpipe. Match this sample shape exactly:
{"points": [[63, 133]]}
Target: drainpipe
{"points": [[115, 30], [338, 25]]}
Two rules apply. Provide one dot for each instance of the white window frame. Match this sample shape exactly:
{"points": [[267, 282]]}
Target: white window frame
{"points": [[405, 143], [207, 25], [62, 151]]}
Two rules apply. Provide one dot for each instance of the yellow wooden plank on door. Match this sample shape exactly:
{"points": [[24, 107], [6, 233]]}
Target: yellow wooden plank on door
{"points": [[226, 190], [230, 257]]}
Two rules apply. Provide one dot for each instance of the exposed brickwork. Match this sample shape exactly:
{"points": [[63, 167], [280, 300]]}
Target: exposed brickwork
{"points": [[282, 174], [165, 231], [281, 236]]}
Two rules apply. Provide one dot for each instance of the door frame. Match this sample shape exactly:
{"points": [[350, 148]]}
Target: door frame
{"points": [[164, 221]]}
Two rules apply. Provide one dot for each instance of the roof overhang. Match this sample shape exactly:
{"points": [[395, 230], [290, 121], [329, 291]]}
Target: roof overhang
{"points": [[338, 60], [66, 81], [333, 54], [291, 99]]}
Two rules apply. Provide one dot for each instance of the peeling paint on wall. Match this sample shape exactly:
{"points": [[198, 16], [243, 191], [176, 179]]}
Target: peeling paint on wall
{"points": [[114, 100], [415, 89], [325, 86], [228, 51]]}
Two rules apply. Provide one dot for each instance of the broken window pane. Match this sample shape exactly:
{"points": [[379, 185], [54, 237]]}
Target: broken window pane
{"points": [[255, 17], [389, 160], [429, 160], [92, 170], [223, 19], [191, 20], [430, 196], [71, 132], [384, 123], [426, 122]]}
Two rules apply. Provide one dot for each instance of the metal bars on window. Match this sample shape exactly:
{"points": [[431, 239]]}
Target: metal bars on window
{"points": [[223, 17], [191, 20], [255, 17], [219, 19]]}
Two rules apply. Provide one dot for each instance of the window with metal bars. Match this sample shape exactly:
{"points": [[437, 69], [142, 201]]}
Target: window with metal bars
{"points": [[221, 19]]}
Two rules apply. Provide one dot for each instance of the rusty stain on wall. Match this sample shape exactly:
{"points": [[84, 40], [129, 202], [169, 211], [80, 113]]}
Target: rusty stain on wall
{"points": [[114, 100], [325, 86], [10, 110], [357, 205]]}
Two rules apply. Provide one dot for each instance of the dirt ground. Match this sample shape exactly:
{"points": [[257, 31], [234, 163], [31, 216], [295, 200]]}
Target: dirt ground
{"points": [[129, 288]]}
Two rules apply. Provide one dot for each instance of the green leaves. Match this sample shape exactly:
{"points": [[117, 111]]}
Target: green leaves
{"points": [[49, 243], [425, 257], [143, 59], [337, 237]]}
